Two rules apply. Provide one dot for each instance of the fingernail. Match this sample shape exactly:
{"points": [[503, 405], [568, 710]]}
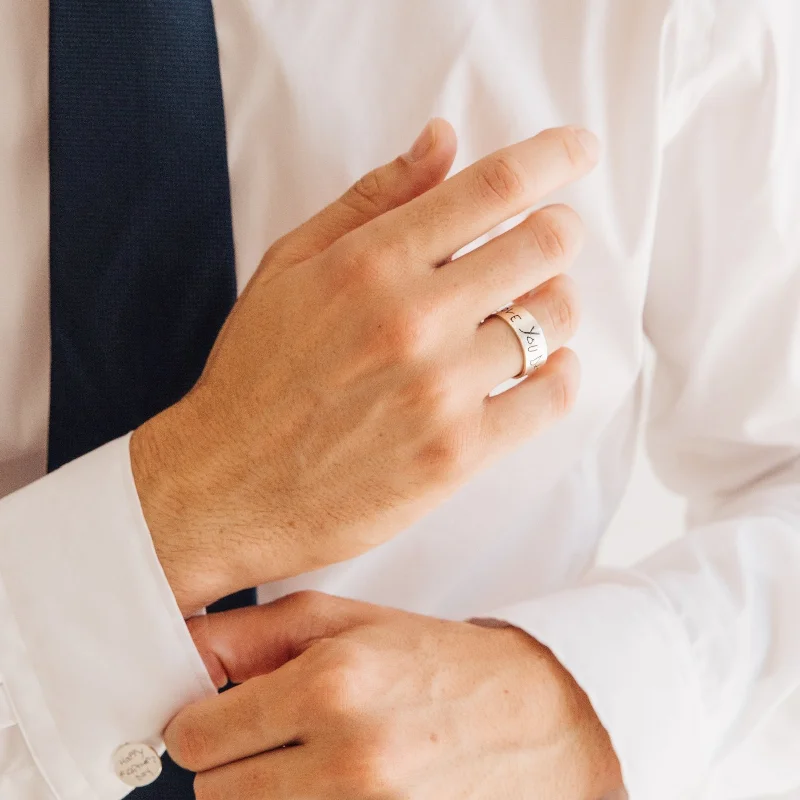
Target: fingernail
{"points": [[423, 145], [589, 141]]}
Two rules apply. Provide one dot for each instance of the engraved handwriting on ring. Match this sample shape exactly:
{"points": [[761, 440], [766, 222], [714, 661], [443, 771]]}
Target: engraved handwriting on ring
{"points": [[529, 335]]}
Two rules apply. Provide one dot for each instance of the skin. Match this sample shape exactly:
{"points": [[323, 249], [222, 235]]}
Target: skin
{"points": [[378, 704], [347, 394]]}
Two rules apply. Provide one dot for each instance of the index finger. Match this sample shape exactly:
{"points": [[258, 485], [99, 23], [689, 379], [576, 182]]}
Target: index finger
{"points": [[255, 717], [491, 191]]}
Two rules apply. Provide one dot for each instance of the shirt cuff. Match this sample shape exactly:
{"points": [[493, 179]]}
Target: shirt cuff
{"points": [[623, 647], [94, 651]]}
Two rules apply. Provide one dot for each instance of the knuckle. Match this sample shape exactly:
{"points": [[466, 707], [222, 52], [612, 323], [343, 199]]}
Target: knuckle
{"points": [[561, 398], [428, 394], [372, 772], [501, 177], [330, 691], [403, 335], [563, 390], [280, 250], [555, 231], [367, 194], [336, 686], [370, 257], [346, 268], [443, 456], [187, 744], [564, 306], [307, 603], [391, 252], [573, 147], [357, 265]]}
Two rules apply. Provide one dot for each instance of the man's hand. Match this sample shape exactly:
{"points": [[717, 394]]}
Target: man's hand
{"points": [[346, 701], [346, 395]]}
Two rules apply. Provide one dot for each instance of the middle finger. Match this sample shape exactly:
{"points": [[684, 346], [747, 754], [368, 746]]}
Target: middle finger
{"points": [[495, 189]]}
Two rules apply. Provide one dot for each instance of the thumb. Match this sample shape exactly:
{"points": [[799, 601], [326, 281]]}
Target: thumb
{"points": [[424, 166], [242, 644]]}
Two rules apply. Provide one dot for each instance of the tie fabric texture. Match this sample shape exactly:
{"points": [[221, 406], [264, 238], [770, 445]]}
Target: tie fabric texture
{"points": [[141, 244]]}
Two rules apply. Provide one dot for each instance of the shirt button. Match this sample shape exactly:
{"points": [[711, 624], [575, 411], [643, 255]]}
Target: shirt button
{"points": [[136, 764]]}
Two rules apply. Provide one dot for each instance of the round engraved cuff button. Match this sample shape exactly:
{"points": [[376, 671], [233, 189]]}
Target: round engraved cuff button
{"points": [[136, 764]]}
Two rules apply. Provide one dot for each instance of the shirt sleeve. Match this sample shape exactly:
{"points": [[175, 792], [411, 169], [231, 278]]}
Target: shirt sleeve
{"points": [[94, 652], [692, 659]]}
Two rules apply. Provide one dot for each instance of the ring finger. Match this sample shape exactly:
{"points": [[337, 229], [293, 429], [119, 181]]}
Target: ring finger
{"points": [[498, 354]]}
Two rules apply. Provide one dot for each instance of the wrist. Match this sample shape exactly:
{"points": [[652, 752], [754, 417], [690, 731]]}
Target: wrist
{"points": [[169, 494], [585, 745]]}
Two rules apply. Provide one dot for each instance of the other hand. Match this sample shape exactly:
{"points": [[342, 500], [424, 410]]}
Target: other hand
{"points": [[347, 394], [346, 701]]}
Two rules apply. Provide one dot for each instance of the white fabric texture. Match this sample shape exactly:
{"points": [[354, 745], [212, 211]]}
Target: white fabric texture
{"points": [[692, 659], [86, 618]]}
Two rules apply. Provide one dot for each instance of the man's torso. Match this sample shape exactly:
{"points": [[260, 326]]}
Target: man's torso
{"points": [[318, 93]]}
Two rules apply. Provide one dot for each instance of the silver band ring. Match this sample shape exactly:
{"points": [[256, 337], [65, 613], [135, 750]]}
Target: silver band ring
{"points": [[530, 336]]}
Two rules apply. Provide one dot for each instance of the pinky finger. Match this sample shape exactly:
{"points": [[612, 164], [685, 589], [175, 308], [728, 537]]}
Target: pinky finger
{"points": [[533, 405]]}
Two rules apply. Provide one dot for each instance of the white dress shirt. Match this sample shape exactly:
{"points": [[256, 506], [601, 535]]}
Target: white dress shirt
{"points": [[692, 660]]}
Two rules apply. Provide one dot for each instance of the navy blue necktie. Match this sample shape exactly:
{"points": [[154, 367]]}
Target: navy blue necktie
{"points": [[141, 247]]}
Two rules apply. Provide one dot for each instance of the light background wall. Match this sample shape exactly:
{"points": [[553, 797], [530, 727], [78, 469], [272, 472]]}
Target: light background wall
{"points": [[649, 517]]}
